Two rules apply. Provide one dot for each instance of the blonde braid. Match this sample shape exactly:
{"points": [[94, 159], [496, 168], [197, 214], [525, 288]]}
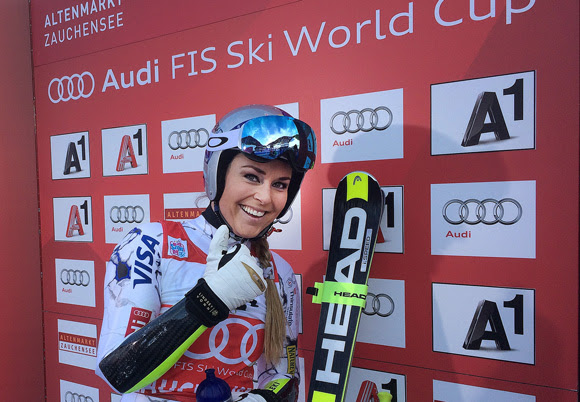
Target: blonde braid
{"points": [[275, 325]]}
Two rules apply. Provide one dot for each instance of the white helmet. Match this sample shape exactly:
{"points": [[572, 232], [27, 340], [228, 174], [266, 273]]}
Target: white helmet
{"points": [[245, 129]]}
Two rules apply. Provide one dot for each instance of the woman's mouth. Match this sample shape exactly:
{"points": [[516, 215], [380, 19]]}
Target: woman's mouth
{"points": [[252, 211]]}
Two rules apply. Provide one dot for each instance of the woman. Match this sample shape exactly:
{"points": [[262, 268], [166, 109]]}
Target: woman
{"points": [[208, 293]]}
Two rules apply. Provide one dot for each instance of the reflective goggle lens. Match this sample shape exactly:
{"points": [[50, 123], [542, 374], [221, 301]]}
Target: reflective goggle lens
{"points": [[270, 137]]}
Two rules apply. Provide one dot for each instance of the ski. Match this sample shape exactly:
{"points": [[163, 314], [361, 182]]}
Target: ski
{"points": [[358, 206]]}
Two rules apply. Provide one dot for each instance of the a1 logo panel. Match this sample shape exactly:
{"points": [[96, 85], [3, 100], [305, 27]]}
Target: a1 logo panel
{"points": [[125, 150], [73, 219], [494, 219], [367, 385], [488, 322], [69, 156], [484, 114]]}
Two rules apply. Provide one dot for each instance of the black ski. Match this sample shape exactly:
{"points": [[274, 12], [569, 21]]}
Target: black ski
{"points": [[358, 206]]}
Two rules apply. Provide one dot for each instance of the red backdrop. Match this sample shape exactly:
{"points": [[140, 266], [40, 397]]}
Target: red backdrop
{"points": [[189, 61]]}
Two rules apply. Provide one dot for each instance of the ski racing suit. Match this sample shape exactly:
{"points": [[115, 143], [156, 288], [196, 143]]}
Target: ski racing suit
{"points": [[151, 270]]}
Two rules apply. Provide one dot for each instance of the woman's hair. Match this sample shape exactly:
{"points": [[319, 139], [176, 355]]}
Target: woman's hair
{"points": [[275, 325]]}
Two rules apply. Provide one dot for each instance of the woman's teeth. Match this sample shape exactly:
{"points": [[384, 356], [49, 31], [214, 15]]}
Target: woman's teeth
{"points": [[253, 212]]}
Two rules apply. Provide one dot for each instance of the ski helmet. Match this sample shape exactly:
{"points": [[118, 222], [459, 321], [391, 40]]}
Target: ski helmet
{"points": [[263, 133]]}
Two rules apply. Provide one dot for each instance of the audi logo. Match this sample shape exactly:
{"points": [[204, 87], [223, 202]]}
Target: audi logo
{"points": [[364, 120], [188, 139], [71, 87], [221, 332], [74, 397], [130, 214], [75, 277], [141, 313], [380, 304], [482, 211]]}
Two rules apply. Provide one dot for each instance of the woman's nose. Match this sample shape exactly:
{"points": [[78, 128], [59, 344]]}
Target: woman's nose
{"points": [[262, 194]]}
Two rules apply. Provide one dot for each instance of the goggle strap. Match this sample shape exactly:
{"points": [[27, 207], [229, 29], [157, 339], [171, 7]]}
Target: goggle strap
{"points": [[226, 140]]}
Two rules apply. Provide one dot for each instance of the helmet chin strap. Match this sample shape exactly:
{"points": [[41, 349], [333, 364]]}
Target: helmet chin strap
{"points": [[215, 218]]}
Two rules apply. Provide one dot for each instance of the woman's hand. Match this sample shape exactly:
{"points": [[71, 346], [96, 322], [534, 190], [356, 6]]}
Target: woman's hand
{"points": [[231, 279], [233, 276]]}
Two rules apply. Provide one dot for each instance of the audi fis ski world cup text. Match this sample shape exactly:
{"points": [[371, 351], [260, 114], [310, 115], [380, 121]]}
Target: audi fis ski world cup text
{"points": [[189, 63]]}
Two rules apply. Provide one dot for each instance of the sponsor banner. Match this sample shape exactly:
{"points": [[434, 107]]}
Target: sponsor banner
{"points": [[75, 282], [494, 219], [123, 213], [384, 308], [488, 322], [451, 392], [485, 114], [362, 127], [180, 207], [125, 150], [184, 142], [77, 344], [364, 385], [69, 156], [73, 392], [390, 237], [65, 28], [73, 219]]}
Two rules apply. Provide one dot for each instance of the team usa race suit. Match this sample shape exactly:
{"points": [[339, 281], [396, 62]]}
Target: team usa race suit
{"points": [[152, 269]]}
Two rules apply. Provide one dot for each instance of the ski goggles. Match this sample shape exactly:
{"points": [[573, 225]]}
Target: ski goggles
{"points": [[271, 137]]}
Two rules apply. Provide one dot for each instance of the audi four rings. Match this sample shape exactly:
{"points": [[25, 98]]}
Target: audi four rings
{"points": [[75, 277], [221, 333], [481, 211], [74, 397], [130, 214], [358, 121], [183, 139], [382, 305], [71, 87]]}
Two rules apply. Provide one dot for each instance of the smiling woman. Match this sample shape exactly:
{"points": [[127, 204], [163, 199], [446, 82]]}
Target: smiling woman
{"points": [[254, 195], [214, 277]]}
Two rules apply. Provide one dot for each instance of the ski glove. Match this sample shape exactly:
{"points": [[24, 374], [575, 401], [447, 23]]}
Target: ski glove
{"points": [[231, 279]]}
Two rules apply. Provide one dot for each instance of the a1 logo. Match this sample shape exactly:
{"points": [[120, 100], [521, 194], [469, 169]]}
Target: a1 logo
{"points": [[125, 150], [487, 314], [488, 322], [70, 156], [72, 219]]}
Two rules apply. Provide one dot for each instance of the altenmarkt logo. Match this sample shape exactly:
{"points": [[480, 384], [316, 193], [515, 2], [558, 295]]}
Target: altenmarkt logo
{"points": [[71, 87]]}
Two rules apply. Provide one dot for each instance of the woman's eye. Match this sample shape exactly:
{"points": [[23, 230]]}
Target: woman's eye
{"points": [[280, 185], [251, 177]]}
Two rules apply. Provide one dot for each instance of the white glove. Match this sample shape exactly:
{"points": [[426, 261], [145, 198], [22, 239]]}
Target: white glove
{"points": [[235, 277]]}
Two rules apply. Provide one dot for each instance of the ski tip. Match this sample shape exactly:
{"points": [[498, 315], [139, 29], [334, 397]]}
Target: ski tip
{"points": [[360, 174]]}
